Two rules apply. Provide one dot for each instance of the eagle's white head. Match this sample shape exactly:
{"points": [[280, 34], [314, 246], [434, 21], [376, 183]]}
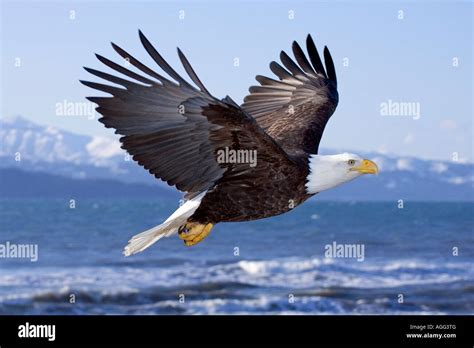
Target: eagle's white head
{"points": [[326, 172]]}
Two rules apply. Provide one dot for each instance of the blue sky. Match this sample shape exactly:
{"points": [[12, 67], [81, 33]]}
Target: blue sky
{"points": [[406, 60]]}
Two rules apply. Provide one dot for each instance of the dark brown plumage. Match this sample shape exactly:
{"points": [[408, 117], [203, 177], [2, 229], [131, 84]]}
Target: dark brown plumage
{"points": [[295, 109], [174, 130]]}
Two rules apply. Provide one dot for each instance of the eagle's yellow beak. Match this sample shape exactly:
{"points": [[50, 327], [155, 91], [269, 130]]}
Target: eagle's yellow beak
{"points": [[366, 167]]}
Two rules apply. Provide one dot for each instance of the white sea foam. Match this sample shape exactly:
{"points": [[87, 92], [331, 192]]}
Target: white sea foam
{"points": [[229, 287]]}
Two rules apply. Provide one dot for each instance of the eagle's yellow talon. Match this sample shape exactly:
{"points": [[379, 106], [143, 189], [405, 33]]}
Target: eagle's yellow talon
{"points": [[192, 232]]}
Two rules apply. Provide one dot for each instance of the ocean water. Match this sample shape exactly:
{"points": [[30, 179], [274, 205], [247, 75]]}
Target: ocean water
{"points": [[272, 266]]}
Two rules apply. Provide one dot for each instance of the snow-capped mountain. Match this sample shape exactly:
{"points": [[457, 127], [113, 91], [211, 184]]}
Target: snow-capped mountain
{"points": [[48, 144], [31, 147]]}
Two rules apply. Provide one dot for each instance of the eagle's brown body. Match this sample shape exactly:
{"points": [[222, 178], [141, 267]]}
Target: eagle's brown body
{"points": [[254, 197]]}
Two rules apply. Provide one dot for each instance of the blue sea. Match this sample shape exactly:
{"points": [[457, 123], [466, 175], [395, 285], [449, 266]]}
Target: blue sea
{"points": [[272, 266]]}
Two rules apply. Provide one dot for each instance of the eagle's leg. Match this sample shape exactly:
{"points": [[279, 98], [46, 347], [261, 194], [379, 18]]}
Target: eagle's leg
{"points": [[194, 232]]}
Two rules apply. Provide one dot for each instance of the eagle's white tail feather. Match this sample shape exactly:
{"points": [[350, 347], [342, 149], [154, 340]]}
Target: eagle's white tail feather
{"points": [[145, 239]]}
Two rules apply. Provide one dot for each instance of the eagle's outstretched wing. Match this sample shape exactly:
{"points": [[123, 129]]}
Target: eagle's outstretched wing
{"points": [[295, 109], [174, 130]]}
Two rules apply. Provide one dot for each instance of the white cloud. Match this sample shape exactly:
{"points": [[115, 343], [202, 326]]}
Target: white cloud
{"points": [[51, 130], [457, 180], [404, 164], [439, 167]]}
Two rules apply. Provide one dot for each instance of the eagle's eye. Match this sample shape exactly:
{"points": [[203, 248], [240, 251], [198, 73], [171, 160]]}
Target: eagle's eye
{"points": [[351, 162]]}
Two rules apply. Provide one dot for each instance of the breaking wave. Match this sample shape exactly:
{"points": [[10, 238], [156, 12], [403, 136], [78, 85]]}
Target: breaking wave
{"points": [[278, 286]]}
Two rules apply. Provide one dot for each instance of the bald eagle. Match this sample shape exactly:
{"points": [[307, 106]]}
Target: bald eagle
{"points": [[203, 145]]}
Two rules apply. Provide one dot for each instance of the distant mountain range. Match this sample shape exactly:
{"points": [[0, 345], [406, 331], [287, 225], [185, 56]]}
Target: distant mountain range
{"points": [[36, 148], [57, 162], [16, 183]]}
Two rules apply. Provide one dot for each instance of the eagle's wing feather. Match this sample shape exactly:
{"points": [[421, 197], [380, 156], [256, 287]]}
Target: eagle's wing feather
{"points": [[173, 129], [295, 109]]}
